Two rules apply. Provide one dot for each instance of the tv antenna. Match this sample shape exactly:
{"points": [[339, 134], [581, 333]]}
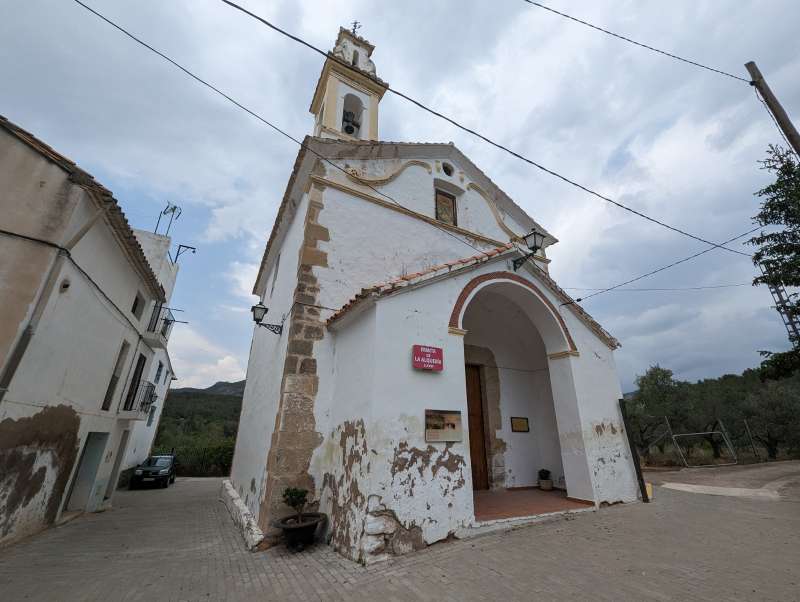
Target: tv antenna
{"points": [[174, 213]]}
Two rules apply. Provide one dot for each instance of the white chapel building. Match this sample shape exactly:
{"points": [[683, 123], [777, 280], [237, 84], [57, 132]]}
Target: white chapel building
{"points": [[413, 372]]}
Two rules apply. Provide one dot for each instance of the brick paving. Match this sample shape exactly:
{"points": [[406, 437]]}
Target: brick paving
{"points": [[179, 544]]}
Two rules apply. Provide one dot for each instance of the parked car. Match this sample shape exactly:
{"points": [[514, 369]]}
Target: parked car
{"points": [[159, 470]]}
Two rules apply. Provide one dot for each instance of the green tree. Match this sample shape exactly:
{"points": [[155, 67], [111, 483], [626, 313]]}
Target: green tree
{"points": [[774, 416], [657, 396], [779, 251]]}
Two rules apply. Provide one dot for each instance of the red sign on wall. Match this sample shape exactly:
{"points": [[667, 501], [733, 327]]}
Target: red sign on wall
{"points": [[427, 358]]}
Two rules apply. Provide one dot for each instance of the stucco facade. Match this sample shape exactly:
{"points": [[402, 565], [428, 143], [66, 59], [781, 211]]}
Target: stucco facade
{"points": [[360, 267], [77, 349]]}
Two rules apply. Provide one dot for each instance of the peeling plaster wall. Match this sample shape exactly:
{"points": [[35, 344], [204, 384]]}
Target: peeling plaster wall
{"points": [[342, 463], [425, 487], [265, 372], [496, 323], [55, 396], [385, 488]]}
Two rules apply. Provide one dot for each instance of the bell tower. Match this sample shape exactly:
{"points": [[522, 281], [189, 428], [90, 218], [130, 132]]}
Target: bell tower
{"points": [[345, 103]]}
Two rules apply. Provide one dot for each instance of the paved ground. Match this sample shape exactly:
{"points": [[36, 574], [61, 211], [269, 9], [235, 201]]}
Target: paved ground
{"points": [[179, 544], [776, 480]]}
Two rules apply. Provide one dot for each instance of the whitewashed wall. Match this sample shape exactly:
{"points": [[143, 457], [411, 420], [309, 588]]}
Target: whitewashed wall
{"points": [[265, 371], [598, 390]]}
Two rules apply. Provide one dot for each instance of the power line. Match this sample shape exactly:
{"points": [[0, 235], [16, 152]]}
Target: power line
{"points": [[452, 121], [326, 160], [256, 115], [680, 288], [621, 37], [661, 269]]}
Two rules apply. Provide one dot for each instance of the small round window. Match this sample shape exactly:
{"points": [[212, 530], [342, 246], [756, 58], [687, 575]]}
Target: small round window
{"points": [[447, 168]]}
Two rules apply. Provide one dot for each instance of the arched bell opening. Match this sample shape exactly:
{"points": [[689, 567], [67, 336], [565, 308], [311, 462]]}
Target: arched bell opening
{"points": [[352, 114]]}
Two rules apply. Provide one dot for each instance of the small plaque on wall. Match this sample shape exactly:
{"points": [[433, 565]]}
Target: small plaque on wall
{"points": [[424, 357], [443, 425], [519, 425]]}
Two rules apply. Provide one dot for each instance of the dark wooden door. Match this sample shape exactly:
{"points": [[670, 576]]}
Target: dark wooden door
{"points": [[477, 441]]}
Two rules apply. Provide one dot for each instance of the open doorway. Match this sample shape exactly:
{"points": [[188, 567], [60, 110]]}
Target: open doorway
{"points": [[83, 481], [508, 377]]}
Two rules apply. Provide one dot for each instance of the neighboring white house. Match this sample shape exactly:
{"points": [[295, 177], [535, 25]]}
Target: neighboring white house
{"points": [[387, 258], [156, 249], [83, 326]]}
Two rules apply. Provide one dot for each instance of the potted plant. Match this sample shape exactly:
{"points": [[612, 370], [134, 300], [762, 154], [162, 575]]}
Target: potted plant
{"points": [[545, 482], [300, 528]]}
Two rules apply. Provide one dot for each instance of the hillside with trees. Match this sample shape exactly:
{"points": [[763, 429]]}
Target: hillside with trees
{"points": [[201, 425], [730, 404]]}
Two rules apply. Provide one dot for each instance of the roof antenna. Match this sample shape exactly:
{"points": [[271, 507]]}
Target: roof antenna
{"points": [[174, 213]]}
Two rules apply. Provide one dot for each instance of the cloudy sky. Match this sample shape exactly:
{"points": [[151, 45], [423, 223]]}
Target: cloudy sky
{"points": [[673, 141]]}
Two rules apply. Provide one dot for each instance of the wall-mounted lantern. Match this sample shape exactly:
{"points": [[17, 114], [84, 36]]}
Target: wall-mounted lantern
{"points": [[534, 241], [259, 311]]}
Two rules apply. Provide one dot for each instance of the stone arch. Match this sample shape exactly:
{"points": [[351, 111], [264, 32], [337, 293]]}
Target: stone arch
{"points": [[542, 312]]}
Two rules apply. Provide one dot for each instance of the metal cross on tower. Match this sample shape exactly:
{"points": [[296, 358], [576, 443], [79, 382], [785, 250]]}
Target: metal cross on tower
{"points": [[356, 27], [781, 298]]}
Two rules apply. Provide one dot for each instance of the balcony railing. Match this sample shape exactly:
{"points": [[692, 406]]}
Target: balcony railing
{"points": [[160, 325], [142, 398]]}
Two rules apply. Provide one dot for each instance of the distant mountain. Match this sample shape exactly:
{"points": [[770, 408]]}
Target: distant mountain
{"points": [[219, 388], [201, 418]]}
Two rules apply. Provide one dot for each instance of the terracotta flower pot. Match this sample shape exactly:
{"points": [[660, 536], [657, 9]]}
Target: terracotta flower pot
{"points": [[545, 484], [300, 535]]}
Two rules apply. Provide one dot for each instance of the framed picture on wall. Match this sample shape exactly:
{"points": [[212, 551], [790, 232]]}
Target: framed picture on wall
{"points": [[519, 425], [443, 425]]}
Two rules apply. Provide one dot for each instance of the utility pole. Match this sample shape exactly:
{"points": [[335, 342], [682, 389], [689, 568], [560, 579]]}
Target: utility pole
{"points": [[774, 106], [779, 294]]}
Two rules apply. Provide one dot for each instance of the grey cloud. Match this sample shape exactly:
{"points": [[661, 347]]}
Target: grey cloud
{"points": [[667, 138]]}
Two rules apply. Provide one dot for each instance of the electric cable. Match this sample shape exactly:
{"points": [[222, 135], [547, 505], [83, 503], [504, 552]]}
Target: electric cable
{"points": [[259, 117], [621, 37], [661, 269], [680, 288], [332, 57], [326, 160]]}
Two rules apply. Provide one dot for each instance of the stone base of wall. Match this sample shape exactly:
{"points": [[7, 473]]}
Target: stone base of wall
{"points": [[242, 517]]}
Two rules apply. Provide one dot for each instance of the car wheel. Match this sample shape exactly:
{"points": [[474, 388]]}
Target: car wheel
{"points": [[172, 479], [165, 483]]}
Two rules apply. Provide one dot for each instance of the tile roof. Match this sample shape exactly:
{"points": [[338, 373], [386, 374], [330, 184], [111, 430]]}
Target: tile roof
{"points": [[118, 221], [385, 288]]}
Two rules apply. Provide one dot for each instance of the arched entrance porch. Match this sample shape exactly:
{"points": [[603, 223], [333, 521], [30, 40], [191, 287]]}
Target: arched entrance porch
{"points": [[517, 352]]}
